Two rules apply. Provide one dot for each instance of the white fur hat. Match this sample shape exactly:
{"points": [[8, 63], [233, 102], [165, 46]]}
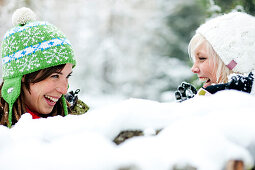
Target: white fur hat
{"points": [[232, 36]]}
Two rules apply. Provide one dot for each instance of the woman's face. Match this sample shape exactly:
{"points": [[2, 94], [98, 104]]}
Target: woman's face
{"points": [[44, 94], [204, 66]]}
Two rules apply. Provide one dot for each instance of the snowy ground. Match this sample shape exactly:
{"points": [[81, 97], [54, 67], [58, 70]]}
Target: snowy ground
{"points": [[204, 132]]}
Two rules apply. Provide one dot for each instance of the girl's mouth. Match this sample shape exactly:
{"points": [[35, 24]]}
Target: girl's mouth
{"points": [[205, 81], [50, 100]]}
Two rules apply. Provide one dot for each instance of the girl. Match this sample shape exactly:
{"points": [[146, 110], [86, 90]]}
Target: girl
{"points": [[223, 47], [37, 60]]}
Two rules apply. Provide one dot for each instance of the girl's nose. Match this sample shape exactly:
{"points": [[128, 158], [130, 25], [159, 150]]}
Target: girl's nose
{"points": [[62, 88], [194, 69]]}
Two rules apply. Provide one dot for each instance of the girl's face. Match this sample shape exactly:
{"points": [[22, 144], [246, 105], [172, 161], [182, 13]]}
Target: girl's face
{"points": [[204, 66], [43, 95]]}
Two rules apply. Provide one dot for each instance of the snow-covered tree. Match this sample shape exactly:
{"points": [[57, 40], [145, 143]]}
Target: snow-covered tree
{"points": [[130, 48]]}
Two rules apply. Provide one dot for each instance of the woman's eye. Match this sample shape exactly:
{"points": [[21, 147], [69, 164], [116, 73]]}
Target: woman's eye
{"points": [[202, 58], [55, 76], [69, 76]]}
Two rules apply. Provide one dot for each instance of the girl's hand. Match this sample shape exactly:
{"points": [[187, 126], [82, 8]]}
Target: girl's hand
{"points": [[185, 91], [241, 83], [72, 98]]}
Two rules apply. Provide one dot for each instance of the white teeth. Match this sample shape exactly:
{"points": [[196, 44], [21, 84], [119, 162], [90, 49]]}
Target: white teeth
{"points": [[203, 80], [51, 98]]}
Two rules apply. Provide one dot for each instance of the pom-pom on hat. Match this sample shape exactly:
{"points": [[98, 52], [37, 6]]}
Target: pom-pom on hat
{"points": [[22, 16], [232, 36], [28, 47]]}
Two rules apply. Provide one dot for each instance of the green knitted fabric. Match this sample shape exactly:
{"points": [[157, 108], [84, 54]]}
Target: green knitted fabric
{"points": [[29, 47], [32, 47]]}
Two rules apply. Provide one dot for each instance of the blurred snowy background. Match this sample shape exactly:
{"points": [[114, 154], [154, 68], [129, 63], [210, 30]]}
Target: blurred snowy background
{"points": [[125, 48]]}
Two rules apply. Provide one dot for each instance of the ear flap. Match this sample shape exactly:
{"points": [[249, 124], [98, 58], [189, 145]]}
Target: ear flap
{"points": [[64, 105], [11, 89], [10, 92]]}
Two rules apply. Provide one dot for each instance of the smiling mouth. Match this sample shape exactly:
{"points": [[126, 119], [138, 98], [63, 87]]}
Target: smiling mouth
{"points": [[204, 80], [52, 100]]}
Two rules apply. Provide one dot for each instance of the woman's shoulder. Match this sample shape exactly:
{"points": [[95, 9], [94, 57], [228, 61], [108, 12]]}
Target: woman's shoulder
{"points": [[80, 108], [77, 107]]}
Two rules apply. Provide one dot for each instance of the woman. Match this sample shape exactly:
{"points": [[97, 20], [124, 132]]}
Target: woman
{"points": [[37, 61], [223, 54]]}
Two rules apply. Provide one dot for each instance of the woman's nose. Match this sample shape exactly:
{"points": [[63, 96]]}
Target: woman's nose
{"points": [[62, 87], [194, 68]]}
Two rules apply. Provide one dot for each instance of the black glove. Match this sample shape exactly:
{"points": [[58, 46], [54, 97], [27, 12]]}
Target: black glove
{"points": [[241, 83], [237, 82], [72, 98], [185, 91]]}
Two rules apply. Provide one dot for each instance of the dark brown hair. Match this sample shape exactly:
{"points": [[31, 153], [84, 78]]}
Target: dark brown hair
{"points": [[19, 106]]}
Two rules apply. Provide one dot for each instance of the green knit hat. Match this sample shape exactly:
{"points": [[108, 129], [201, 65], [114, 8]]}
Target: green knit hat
{"points": [[28, 47]]}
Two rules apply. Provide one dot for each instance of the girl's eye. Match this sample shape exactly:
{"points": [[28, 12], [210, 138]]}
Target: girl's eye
{"points": [[69, 76], [201, 58], [55, 76]]}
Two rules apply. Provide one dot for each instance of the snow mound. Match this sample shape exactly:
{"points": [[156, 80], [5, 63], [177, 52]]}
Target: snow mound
{"points": [[204, 132]]}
